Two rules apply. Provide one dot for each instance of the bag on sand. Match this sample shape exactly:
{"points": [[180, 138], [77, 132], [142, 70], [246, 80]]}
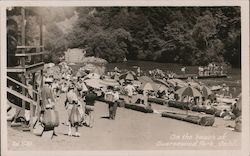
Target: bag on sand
{"points": [[51, 118], [75, 116]]}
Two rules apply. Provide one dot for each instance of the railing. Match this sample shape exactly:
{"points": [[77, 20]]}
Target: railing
{"points": [[20, 84], [24, 98]]}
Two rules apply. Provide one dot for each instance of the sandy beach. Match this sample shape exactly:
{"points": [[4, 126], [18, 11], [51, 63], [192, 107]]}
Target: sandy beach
{"points": [[131, 130]]}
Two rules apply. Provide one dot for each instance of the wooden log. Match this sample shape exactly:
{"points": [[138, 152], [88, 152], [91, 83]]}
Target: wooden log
{"points": [[200, 120], [195, 108], [139, 108], [180, 105], [158, 101]]}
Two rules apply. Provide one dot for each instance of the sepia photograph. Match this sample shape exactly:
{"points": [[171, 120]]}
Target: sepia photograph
{"points": [[122, 78]]}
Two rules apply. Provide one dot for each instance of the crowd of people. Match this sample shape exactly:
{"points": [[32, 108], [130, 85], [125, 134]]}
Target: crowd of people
{"points": [[211, 69], [80, 96]]}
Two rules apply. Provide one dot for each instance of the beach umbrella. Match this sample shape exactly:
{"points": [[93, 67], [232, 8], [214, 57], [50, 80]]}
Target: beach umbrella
{"points": [[136, 83], [160, 81], [188, 91], [95, 83], [92, 76], [109, 82], [147, 86], [145, 79], [161, 87], [80, 73], [206, 91], [194, 84], [179, 82], [128, 76]]}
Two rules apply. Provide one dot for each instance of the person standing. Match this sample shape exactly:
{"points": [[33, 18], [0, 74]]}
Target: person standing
{"points": [[48, 100], [116, 98], [183, 70], [90, 99], [138, 71], [130, 90], [72, 103], [112, 97]]}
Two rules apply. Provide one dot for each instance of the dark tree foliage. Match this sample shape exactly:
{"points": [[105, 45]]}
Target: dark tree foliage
{"points": [[187, 35]]}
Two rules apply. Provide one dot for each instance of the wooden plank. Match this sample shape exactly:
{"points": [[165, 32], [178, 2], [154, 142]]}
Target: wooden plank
{"points": [[29, 47], [30, 54], [19, 83], [34, 65], [18, 69], [33, 70], [21, 96], [15, 70], [13, 105]]}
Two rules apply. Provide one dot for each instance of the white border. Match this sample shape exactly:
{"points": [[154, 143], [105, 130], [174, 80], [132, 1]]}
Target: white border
{"points": [[244, 72]]}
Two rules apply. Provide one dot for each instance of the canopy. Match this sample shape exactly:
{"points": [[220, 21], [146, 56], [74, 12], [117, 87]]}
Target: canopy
{"points": [[188, 91]]}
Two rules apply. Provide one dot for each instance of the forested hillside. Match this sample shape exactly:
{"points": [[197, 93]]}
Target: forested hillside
{"points": [[186, 35], [190, 35]]}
